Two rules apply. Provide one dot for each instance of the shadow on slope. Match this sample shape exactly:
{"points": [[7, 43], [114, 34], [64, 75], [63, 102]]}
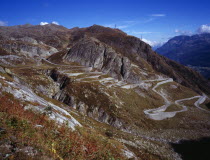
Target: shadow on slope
{"points": [[193, 149]]}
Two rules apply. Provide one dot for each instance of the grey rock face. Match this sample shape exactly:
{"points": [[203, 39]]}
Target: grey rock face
{"points": [[29, 40], [82, 108], [2, 70], [92, 53], [28, 47], [95, 112], [64, 97]]}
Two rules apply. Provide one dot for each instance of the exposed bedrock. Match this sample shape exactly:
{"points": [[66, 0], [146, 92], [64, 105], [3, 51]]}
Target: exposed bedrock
{"points": [[95, 111], [92, 53]]}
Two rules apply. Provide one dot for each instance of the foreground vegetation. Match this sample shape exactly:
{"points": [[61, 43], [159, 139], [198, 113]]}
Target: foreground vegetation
{"points": [[28, 135]]}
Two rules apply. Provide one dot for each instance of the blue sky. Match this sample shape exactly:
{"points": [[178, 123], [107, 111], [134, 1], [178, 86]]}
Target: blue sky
{"points": [[154, 20]]}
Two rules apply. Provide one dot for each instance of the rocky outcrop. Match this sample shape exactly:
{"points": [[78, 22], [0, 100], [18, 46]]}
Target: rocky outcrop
{"points": [[2, 70], [91, 52], [94, 111], [27, 39], [32, 49], [59, 78]]}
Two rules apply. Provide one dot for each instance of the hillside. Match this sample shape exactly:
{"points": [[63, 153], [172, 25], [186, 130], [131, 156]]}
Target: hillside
{"points": [[193, 51], [136, 51], [99, 94]]}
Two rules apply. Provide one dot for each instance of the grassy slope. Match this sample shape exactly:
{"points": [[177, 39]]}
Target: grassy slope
{"points": [[131, 112], [20, 131]]}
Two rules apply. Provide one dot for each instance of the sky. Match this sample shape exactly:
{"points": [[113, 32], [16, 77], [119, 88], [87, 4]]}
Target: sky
{"points": [[155, 21]]}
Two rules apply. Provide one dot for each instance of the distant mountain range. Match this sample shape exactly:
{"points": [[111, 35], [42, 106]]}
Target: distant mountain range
{"points": [[192, 51]]}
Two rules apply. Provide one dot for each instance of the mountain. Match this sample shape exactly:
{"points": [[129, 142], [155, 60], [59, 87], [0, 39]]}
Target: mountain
{"points": [[94, 93], [50, 34], [130, 48], [192, 51]]}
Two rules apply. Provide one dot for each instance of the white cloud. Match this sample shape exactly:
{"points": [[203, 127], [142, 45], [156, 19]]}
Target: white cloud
{"points": [[148, 20], [43, 23], [153, 43], [153, 17], [2, 23], [54, 22], [177, 31], [204, 29], [158, 15], [183, 32]]}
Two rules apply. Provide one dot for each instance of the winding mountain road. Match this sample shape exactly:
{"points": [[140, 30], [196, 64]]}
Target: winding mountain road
{"points": [[160, 114], [200, 101], [155, 114]]}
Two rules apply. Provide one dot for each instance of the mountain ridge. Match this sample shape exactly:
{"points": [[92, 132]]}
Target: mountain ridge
{"points": [[129, 46]]}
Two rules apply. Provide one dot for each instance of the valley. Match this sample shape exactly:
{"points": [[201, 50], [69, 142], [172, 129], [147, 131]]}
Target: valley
{"points": [[109, 90]]}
